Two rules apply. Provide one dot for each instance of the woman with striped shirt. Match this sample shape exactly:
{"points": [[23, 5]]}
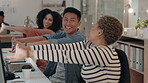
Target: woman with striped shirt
{"points": [[101, 63]]}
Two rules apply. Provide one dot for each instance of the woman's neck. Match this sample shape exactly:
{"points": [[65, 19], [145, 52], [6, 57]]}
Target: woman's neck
{"points": [[99, 42]]}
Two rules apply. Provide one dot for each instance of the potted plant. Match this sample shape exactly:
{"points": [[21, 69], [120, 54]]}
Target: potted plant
{"points": [[139, 25], [142, 29]]}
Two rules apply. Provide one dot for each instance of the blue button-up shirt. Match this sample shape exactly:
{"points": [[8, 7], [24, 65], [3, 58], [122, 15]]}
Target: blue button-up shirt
{"points": [[72, 71]]}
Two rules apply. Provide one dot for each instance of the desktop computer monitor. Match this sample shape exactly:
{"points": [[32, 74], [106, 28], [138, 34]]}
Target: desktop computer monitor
{"points": [[2, 75]]}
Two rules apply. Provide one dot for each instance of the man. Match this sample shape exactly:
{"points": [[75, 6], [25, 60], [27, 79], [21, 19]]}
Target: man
{"points": [[55, 71], [2, 21], [4, 45]]}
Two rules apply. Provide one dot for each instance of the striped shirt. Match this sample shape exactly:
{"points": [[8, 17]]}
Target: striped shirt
{"points": [[101, 63]]}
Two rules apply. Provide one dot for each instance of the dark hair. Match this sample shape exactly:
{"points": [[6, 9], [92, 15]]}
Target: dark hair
{"points": [[57, 21], [73, 10], [40, 16], [112, 28], [2, 13]]}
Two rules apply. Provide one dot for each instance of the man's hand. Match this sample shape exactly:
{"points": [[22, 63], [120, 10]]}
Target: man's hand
{"points": [[14, 42], [24, 46]]}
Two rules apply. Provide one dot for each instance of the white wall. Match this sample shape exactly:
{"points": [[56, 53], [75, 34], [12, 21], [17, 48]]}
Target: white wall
{"points": [[133, 16], [143, 6], [92, 10], [140, 7], [73, 3], [22, 9]]}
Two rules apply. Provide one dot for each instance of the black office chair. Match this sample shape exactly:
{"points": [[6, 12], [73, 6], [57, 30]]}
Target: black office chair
{"points": [[125, 71]]}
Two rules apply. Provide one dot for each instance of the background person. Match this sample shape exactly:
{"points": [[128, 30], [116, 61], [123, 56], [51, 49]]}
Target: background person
{"points": [[2, 21]]}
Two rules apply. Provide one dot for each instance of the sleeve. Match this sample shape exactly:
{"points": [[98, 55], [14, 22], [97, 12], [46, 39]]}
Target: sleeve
{"points": [[69, 46], [61, 40], [55, 36], [96, 56], [37, 32], [60, 37]]}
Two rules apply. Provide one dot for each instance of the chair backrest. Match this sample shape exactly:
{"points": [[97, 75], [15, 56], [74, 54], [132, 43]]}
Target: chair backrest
{"points": [[125, 71]]}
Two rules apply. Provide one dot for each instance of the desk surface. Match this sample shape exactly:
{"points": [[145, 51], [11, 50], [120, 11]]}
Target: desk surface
{"points": [[7, 38], [36, 76], [10, 35]]}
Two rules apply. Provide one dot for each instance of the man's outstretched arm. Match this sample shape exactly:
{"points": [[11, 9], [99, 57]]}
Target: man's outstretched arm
{"points": [[30, 39]]}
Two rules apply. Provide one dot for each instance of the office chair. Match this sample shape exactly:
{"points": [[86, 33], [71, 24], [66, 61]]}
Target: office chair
{"points": [[125, 71]]}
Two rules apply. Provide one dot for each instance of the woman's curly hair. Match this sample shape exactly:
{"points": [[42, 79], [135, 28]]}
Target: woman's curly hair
{"points": [[57, 20], [112, 28], [40, 16]]}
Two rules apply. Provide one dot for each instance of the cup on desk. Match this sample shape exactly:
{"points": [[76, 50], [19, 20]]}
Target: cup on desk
{"points": [[26, 71]]}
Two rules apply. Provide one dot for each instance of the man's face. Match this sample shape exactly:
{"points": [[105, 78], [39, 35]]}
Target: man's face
{"points": [[1, 19], [70, 23]]}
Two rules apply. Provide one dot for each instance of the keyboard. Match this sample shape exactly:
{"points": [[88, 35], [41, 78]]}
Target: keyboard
{"points": [[17, 67]]}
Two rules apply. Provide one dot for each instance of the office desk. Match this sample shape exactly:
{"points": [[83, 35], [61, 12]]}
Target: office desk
{"points": [[5, 40], [36, 76]]}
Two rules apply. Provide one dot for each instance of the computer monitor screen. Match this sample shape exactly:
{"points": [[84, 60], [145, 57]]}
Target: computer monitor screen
{"points": [[2, 77]]}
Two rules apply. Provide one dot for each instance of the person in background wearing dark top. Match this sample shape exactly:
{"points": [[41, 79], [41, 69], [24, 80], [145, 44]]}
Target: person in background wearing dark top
{"points": [[2, 21], [5, 44]]}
